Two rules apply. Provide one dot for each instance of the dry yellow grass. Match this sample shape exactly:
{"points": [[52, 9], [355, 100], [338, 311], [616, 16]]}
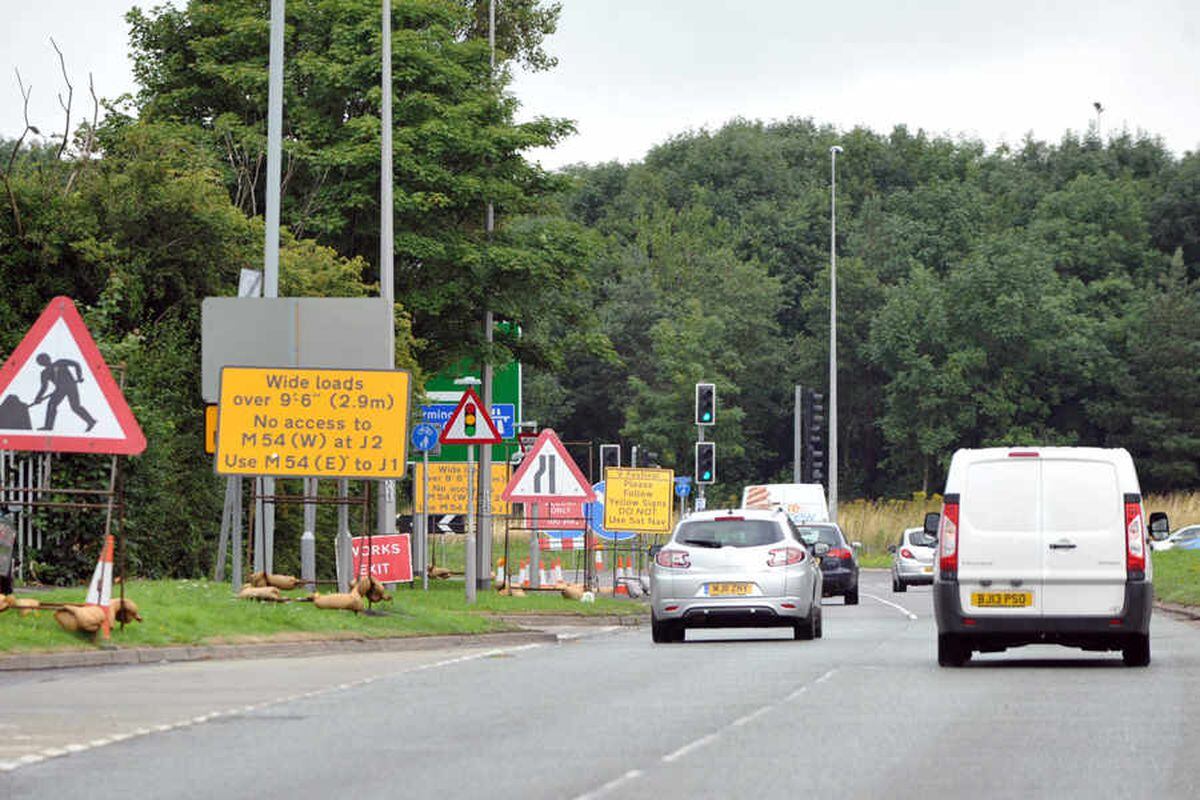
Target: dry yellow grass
{"points": [[877, 523]]}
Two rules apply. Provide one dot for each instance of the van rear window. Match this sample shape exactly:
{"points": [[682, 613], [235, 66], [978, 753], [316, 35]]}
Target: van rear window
{"points": [[1081, 496], [1001, 495]]}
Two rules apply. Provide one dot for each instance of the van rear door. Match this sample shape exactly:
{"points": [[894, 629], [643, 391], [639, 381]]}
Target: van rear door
{"points": [[1000, 543], [1083, 535]]}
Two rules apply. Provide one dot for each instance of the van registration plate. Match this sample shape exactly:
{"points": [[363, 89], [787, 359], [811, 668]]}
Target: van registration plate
{"points": [[729, 589], [1001, 599]]}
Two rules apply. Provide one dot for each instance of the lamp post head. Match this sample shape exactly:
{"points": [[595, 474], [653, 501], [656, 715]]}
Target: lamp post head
{"points": [[835, 149], [468, 380]]}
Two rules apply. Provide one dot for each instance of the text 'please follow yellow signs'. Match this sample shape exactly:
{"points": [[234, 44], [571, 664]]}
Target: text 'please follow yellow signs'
{"points": [[326, 423], [638, 499]]}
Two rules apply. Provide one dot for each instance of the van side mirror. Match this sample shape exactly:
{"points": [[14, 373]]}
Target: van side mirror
{"points": [[891, 548], [933, 521], [820, 549], [856, 545], [1160, 527], [652, 551]]}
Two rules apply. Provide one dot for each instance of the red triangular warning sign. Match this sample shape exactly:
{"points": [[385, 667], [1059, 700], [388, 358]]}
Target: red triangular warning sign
{"points": [[548, 472], [470, 423], [57, 395]]}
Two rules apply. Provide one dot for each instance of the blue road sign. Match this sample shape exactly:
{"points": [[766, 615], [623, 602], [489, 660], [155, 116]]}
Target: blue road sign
{"points": [[503, 414], [594, 513], [683, 486], [425, 437]]}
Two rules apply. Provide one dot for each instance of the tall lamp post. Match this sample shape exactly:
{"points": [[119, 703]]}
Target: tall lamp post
{"points": [[833, 406]]}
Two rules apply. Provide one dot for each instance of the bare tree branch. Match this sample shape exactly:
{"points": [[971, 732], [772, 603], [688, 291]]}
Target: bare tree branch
{"points": [[12, 157], [62, 63], [89, 143]]}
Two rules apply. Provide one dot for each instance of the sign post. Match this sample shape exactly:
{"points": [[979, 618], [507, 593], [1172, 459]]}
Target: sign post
{"points": [[547, 473], [424, 439], [472, 425]]}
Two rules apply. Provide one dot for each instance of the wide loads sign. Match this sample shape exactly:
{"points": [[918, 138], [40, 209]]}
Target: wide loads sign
{"points": [[448, 487], [320, 423]]}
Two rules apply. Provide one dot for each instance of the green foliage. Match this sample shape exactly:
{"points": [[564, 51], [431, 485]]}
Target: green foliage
{"points": [[1023, 295]]}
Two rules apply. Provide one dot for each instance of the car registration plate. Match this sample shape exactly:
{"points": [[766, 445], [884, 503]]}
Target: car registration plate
{"points": [[1001, 599], [729, 589]]}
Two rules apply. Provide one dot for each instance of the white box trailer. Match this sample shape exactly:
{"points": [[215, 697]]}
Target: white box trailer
{"points": [[803, 502]]}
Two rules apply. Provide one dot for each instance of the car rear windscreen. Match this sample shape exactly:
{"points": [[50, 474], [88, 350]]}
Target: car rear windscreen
{"points": [[827, 534], [729, 533]]}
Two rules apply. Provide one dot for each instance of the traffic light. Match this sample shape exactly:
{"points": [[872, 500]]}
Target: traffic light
{"points": [[812, 421], [469, 419], [706, 403], [706, 462], [610, 456]]}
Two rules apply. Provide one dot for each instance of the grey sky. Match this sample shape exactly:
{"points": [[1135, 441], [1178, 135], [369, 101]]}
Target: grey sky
{"points": [[634, 72]]}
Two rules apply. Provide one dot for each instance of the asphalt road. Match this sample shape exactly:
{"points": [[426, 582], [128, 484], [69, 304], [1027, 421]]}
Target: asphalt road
{"points": [[865, 712]]}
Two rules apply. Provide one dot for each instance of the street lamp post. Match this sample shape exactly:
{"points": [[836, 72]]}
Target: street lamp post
{"points": [[833, 406]]}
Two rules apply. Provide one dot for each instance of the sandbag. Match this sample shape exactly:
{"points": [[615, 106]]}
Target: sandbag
{"points": [[123, 611], [268, 593], [285, 582], [517, 591], [3, 603], [24, 605], [351, 601], [573, 592], [370, 588], [441, 573], [87, 619]]}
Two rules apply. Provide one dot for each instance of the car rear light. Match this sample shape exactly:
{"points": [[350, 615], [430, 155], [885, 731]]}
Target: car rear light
{"points": [[968, 621], [782, 556], [1135, 535], [1022, 454], [840, 552], [729, 519], [788, 605], [948, 537], [906, 553], [673, 559]]}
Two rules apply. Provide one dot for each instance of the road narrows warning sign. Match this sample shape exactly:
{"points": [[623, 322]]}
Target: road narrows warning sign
{"points": [[57, 394], [548, 472]]}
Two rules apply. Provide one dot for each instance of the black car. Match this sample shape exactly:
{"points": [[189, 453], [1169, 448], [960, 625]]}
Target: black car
{"points": [[839, 567]]}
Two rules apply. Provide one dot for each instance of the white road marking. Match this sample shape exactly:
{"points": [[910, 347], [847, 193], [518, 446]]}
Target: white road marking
{"points": [[899, 608], [690, 746], [36, 758], [703, 741], [633, 774]]}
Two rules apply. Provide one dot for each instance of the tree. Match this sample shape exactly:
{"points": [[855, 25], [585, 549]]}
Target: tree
{"points": [[456, 145]]}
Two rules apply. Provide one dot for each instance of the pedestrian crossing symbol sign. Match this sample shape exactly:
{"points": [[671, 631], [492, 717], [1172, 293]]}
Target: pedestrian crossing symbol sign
{"points": [[57, 394]]}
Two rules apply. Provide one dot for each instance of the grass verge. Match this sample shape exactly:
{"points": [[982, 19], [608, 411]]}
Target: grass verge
{"points": [[201, 612], [1177, 576]]}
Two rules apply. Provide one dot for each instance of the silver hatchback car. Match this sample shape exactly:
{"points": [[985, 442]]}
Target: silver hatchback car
{"points": [[912, 559], [737, 568]]}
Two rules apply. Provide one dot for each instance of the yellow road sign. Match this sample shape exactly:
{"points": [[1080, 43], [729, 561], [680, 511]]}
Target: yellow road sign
{"points": [[320, 423], [638, 499], [448, 488], [210, 429]]}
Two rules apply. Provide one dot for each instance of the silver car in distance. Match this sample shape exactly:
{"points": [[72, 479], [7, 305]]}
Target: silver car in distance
{"points": [[736, 568]]}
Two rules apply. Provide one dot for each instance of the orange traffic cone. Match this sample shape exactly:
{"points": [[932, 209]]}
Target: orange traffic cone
{"points": [[525, 573], [599, 561]]}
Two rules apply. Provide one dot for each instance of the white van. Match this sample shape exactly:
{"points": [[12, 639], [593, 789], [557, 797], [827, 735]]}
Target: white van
{"points": [[1043, 545], [803, 502]]}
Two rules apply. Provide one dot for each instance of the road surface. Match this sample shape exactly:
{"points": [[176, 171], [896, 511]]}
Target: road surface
{"points": [[865, 712]]}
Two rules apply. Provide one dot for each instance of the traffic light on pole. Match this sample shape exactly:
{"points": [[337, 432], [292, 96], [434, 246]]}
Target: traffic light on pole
{"points": [[469, 418], [813, 425], [706, 403], [706, 462], [610, 456]]}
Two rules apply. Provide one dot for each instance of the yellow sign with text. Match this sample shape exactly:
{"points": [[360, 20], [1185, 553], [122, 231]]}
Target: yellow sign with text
{"points": [[638, 499], [317, 423], [448, 488], [210, 429]]}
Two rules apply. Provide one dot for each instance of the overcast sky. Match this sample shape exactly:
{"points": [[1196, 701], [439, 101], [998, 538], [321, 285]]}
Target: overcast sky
{"points": [[635, 72]]}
